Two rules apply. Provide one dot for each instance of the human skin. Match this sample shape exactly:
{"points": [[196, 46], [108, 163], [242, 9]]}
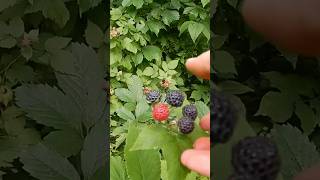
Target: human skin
{"points": [[198, 158], [289, 24]]}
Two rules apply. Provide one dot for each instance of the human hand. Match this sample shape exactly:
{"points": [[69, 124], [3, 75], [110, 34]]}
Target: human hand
{"points": [[198, 158]]}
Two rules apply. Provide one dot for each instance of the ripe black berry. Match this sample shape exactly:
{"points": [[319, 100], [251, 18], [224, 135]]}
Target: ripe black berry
{"points": [[153, 96], [190, 111], [185, 125], [175, 98], [223, 118], [256, 157]]}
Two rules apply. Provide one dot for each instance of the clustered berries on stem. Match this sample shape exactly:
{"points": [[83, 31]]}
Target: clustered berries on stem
{"points": [[253, 158], [173, 98]]}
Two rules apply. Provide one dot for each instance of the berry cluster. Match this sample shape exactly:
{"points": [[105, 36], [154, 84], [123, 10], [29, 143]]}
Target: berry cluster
{"points": [[253, 158], [174, 98]]}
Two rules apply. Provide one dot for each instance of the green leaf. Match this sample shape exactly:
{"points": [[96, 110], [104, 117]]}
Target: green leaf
{"points": [[94, 35], [84, 86], [43, 163], [9, 150], [29, 136], [195, 30], [168, 16], [137, 3], [221, 158], [306, 115], [94, 153], [280, 112], [115, 56], [62, 61], [128, 44], [202, 108], [56, 43], [126, 3], [85, 5], [7, 42], [135, 85], [46, 105], [218, 40], [164, 171], [152, 52], [141, 161], [141, 110], [4, 4], [138, 58], [296, 150], [66, 147], [125, 95], [20, 73], [157, 137], [33, 35], [234, 87], [57, 11], [117, 168], [125, 114], [205, 2], [196, 95], [16, 27], [26, 52], [148, 71], [224, 62], [115, 13], [155, 26], [13, 120], [184, 27], [292, 84], [173, 64]]}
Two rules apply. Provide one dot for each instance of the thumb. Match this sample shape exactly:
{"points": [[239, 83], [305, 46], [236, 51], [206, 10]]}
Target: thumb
{"points": [[197, 160]]}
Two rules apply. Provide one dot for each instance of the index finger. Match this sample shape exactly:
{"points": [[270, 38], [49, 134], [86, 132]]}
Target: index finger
{"points": [[293, 24], [200, 66], [205, 122]]}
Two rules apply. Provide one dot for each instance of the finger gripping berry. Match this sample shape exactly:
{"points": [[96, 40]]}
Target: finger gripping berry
{"points": [[190, 111], [256, 157], [153, 96], [175, 98], [185, 125], [160, 112], [223, 118]]}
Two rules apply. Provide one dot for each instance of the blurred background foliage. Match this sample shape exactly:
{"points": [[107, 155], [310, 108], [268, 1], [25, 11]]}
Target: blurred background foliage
{"points": [[278, 90]]}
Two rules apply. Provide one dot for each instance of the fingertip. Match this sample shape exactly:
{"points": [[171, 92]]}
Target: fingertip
{"points": [[185, 156], [202, 143], [200, 66], [197, 160], [205, 122]]}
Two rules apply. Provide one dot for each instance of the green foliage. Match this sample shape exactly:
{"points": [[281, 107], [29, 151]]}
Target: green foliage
{"points": [[52, 97], [149, 43], [279, 90], [297, 151]]}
